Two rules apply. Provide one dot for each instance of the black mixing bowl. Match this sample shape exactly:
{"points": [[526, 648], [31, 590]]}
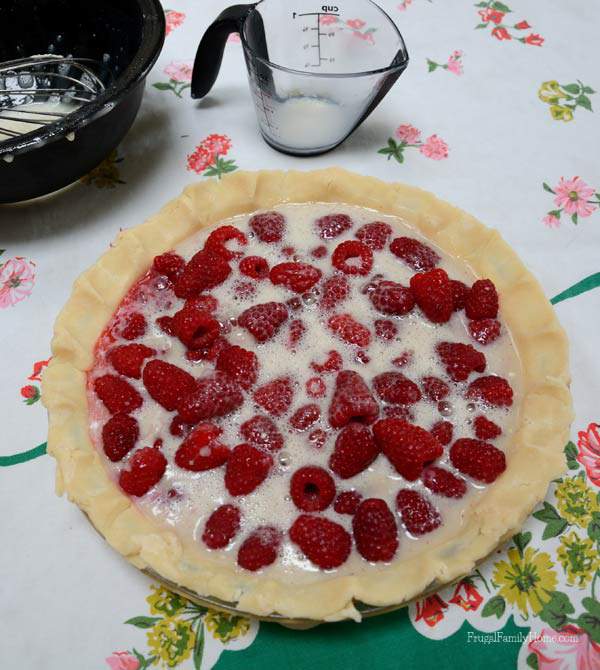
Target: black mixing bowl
{"points": [[126, 36]]}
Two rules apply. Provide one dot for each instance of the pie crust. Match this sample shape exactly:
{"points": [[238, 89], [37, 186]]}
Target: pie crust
{"points": [[535, 457]]}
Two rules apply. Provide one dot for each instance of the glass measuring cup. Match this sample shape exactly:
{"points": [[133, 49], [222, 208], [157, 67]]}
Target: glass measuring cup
{"points": [[316, 71]]}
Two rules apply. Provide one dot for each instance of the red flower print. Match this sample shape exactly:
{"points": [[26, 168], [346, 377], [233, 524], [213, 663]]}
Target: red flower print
{"points": [[173, 20], [522, 25], [431, 610], [466, 596], [501, 34], [589, 452], [355, 24], [492, 15], [534, 39], [207, 158], [217, 144], [38, 366], [17, 277], [29, 391], [200, 159], [569, 647]]}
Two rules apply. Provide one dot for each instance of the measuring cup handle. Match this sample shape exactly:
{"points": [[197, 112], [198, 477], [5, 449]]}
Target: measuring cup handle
{"points": [[210, 50]]}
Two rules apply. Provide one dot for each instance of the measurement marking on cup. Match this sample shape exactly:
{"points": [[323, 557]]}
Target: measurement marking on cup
{"points": [[320, 34]]}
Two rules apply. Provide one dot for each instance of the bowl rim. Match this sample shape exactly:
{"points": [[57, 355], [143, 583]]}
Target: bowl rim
{"points": [[152, 38]]}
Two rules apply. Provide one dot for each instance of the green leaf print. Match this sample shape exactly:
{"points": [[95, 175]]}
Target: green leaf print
{"points": [[571, 454], [532, 661], [521, 540], [571, 88], [501, 7], [143, 621], [556, 611], [555, 524], [585, 102], [494, 607], [199, 645], [593, 530]]}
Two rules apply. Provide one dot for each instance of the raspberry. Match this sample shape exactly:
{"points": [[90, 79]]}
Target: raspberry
{"points": [[297, 277], [459, 294], [349, 250], [334, 290], [396, 389], [166, 324], [204, 303], [409, 448], [362, 357], [351, 400], [324, 542], [200, 451], [268, 227], [333, 363], [297, 330], [491, 390], [255, 267], [433, 294], [247, 468], [260, 548], [128, 359], [167, 383], [316, 387], [388, 297], [484, 331], [262, 433], [478, 459], [385, 329], [294, 303], [435, 389], [214, 396], [215, 242], [312, 489], [375, 235], [418, 514], [263, 321], [119, 435], [347, 502], [178, 427], [240, 364], [221, 527], [354, 451], [332, 225], [319, 252], [460, 360], [442, 431], [304, 417], [482, 300], [443, 482], [210, 353], [118, 396], [375, 531], [135, 326], [288, 252], [486, 429], [349, 330], [398, 412], [317, 438], [170, 265], [275, 397], [195, 327], [244, 290], [415, 254], [204, 270], [404, 359], [146, 468]]}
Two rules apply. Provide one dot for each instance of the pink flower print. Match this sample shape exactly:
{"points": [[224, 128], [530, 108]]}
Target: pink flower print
{"points": [[328, 19], [572, 196], [435, 148], [454, 64], [404, 5], [234, 38], [122, 660], [368, 37], [551, 220], [17, 277], [173, 20], [355, 24], [589, 452], [570, 647], [219, 145], [179, 71], [407, 133], [200, 159]]}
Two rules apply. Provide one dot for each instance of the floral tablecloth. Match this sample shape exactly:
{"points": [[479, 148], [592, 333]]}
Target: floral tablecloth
{"points": [[496, 113]]}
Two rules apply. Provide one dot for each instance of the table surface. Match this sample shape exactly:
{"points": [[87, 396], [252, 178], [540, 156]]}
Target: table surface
{"points": [[508, 94]]}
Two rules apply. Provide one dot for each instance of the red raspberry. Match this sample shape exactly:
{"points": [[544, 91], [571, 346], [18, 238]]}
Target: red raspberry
{"points": [[375, 235], [210, 353], [128, 359], [349, 330], [349, 250], [247, 468], [395, 388], [491, 390], [221, 527], [297, 330], [204, 270], [418, 514], [297, 277], [435, 389], [312, 489], [119, 435], [478, 459], [294, 303], [486, 429], [442, 431], [351, 400], [146, 468], [118, 396], [304, 417], [482, 300], [334, 290], [459, 294], [317, 438], [324, 542], [404, 359], [195, 327], [460, 360], [375, 531], [260, 548], [433, 294], [444, 483], [215, 242], [385, 329], [409, 448], [388, 297], [333, 363], [484, 331], [255, 267], [262, 433], [263, 321], [415, 254], [240, 364], [398, 412], [347, 502], [166, 324], [135, 326], [362, 357], [244, 289], [204, 303], [288, 252], [354, 451], [268, 227], [319, 252], [178, 427], [332, 225], [214, 396], [316, 387], [200, 451], [275, 397], [170, 265], [167, 383]]}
